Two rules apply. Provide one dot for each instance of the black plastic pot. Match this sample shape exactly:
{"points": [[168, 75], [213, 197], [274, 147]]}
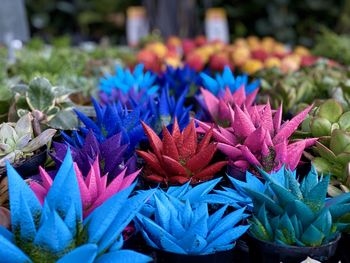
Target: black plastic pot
{"points": [[219, 257], [30, 166], [268, 252], [343, 248]]}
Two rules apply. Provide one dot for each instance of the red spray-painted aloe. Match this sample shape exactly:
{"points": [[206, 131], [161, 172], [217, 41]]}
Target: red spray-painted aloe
{"points": [[258, 137], [94, 189], [218, 107], [178, 157]]}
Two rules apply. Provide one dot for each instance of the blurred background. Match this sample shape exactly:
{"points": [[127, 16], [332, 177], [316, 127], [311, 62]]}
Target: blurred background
{"points": [[290, 21]]}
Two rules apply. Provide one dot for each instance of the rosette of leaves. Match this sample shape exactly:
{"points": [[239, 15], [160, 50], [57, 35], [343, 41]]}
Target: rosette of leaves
{"points": [[297, 214], [257, 137], [56, 231], [18, 142], [178, 157], [180, 227], [50, 105], [295, 89]]}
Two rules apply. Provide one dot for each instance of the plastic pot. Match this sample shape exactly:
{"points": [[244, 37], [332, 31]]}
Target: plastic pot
{"points": [[219, 257], [268, 252], [343, 248], [30, 166]]}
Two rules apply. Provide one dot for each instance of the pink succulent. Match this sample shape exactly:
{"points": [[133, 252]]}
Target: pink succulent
{"points": [[218, 107], [94, 189], [258, 137]]}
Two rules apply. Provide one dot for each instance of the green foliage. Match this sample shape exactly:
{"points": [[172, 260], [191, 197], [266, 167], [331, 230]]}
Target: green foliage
{"points": [[334, 46]]}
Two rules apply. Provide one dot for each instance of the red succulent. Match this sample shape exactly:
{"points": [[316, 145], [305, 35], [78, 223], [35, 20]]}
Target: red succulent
{"points": [[179, 157]]}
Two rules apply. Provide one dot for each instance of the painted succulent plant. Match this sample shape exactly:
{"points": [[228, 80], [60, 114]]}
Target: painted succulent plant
{"points": [[112, 155], [298, 214], [56, 231], [94, 188], [178, 157], [50, 105], [17, 140], [110, 120], [125, 86], [257, 137], [238, 196], [218, 85], [179, 227]]}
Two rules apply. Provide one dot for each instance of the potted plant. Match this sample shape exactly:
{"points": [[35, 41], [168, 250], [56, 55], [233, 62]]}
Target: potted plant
{"points": [[20, 147], [70, 238], [179, 231], [295, 222], [257, 137], [178, 157]]}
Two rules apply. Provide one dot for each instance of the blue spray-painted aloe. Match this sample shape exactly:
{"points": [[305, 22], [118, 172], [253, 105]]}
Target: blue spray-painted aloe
{"points": [[297, 214], [197, 194], [184, 228], [179, 79], [124, 85], [218, 84], [238, 195], [166, 108], [56, 232], [111, 120]]}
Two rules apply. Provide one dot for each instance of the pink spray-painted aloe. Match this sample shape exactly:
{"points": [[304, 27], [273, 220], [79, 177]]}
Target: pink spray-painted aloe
{"points": [[218, 107], [94, 189], [257, 137]]}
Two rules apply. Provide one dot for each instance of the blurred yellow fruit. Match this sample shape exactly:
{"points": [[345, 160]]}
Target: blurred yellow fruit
{"points": [[158, 48], [252, 65], [279, 48], [272, 62], [302, 51], [268, 44], [290, 63], [253, 42], [240, 42], [240, 56], [175, 62]]}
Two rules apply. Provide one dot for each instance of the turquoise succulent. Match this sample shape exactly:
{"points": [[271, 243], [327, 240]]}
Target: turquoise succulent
{"points": [[297, 214], [56, 231]]}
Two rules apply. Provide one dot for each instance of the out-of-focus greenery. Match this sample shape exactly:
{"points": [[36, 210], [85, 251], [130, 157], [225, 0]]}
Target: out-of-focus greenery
{"points": [[334, 46], [296, 89]]}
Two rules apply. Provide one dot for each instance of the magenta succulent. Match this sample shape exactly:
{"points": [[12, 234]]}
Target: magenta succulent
{"points": [[257, 137], [94, 189], [218, 106]]}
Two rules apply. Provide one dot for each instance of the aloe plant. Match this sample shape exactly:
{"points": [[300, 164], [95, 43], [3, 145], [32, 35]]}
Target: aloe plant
{"points": [[110, 120], [257, 137], [238, 196], [94, 188], [178, 157], [50, 105], [111, 153], [56, 232], [297, 214], [18, 142], [218, 85], [179, 227], [126, 86]]}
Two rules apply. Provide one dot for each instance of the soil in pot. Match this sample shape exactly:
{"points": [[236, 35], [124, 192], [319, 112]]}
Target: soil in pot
{"points": [[267, 252]]}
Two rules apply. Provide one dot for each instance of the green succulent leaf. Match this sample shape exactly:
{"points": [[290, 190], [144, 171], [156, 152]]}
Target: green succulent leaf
{"points": [[339, 140], [320, 127], [330, 110], [40, 95], [344, 121]]}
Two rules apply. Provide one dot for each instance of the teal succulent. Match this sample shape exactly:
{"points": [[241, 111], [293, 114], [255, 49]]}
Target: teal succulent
{"points": [[180, 227], [297, 214], [56, 232]]}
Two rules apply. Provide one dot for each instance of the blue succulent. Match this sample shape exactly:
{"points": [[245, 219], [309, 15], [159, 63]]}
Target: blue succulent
{"points": [[197, 194], [218, 84], [238, 195], [111, 120], [166, 108], [180, 227], [180, 78], [125, 81], [56, 232]]}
